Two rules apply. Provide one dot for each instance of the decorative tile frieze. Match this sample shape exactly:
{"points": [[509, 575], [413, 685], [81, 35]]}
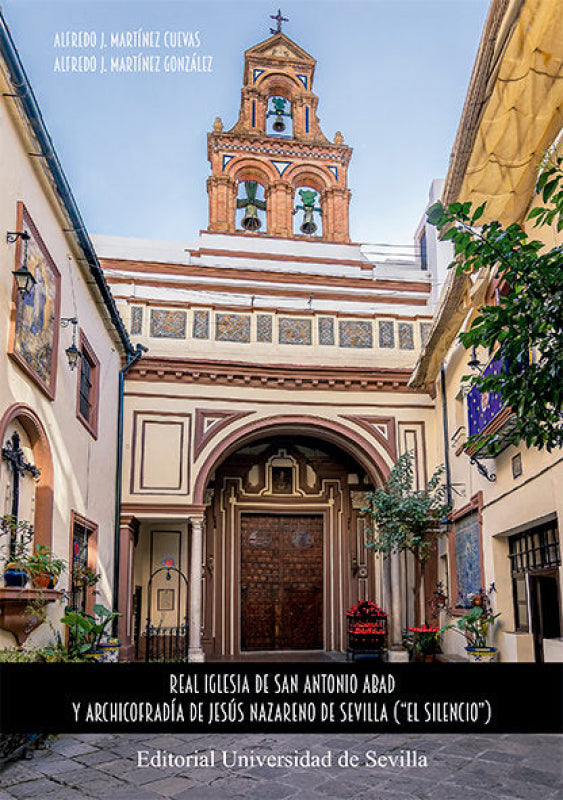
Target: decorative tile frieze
{"points": [[326, 330], [136, 320], [425, 328], [406, 336], [355, 333], [295, 331], [168, 324], [386, 334], [232, 328], [201, 325], [264, 327]]}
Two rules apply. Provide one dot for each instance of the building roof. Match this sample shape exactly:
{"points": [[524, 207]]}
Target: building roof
{"points": [[512, 113]]}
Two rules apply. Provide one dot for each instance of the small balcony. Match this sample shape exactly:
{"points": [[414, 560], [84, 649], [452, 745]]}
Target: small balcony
{"points": [[488, 417]]}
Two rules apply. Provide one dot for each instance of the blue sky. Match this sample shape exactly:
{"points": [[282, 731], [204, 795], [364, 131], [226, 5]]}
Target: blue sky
{"points": [[392, 76]]}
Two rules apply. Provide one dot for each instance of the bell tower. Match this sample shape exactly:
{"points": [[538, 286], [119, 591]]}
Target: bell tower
{"points": [[274, 172]]}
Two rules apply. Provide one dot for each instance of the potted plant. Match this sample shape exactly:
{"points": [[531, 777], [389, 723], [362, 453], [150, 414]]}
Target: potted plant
{"points": [[21, 533], [475, 626], [44, 567], [83, 575], [87, 633], [427, 641], [367, 629], [16, 574]]}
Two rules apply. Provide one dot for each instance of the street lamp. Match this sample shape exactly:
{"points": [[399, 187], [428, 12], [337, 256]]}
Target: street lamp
{"points": [[73, 354], [25, 281]]}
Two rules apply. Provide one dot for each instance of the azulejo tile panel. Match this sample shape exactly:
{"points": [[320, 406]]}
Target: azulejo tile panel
{"points": [[355, 333], [232, 328], [425, 328], [295, 331], [201, 325], [264, 327], [468, 557], [406, 336], [326, 330], [136, 320], [168, 324], [386, 334]]}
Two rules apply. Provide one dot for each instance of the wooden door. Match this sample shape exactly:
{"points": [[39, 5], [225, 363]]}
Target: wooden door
{"points": [[281, 582]]}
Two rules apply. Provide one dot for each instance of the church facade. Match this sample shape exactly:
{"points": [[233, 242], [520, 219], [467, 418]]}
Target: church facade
{"points": [[274, 392]]}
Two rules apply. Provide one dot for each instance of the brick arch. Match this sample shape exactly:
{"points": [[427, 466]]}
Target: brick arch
{"points": [[365, 453], [251, 169], [310, 175], [280, 84], [26, 417]]}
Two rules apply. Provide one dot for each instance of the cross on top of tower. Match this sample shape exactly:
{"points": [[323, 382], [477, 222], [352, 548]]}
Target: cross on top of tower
{"points": [[279, 19]]}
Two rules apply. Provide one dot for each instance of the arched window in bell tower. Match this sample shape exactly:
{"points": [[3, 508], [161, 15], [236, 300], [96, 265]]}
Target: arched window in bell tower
{"points": [[307, 212], [279, 118], [251, 207]]}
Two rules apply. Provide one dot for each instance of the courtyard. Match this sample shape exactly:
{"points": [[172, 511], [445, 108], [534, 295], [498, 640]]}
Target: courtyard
{"points": [[506, 767]]}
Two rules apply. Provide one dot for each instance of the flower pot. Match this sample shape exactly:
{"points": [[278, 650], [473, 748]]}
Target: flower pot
{"points": [[15, 577], [482, 655], [110, 651], [98, 655], [44, 580]]}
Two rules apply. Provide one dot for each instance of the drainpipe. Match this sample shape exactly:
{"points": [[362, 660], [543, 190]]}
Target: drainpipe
{"points": [[118, 478], [446, 437]]}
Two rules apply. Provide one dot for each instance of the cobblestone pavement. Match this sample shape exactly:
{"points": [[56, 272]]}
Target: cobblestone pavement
{"points": [[459, 767]]}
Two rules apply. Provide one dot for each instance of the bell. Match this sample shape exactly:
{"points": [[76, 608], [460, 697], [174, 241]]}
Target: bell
{"points": [[251, 221], [279, 125], [308, 227]]}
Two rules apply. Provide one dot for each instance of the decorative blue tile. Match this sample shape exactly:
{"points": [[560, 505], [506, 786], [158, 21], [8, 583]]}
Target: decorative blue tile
{"points": [[295, 331], [406, 336], [232, 328], [136, 320], [168, 324], [326, 330], [468, 557], [264, 327], [386, 334], [355, 333], [201, 325], [425, 328]]}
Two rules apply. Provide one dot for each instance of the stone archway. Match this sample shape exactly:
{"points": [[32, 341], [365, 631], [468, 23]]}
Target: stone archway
{"points": [[285, 535], [33, 427]]}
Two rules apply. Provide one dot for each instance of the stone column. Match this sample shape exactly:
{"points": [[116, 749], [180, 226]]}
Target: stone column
{"points": [[128, 535], [386, 583], [222, 196], [196, 573], [335, 201], [396, 650], [279, 199]]}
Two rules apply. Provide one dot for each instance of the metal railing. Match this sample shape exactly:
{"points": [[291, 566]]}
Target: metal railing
{"points": [[159, 643]]}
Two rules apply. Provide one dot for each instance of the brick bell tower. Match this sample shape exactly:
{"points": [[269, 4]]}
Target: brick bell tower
{"points": [[275, 173]]}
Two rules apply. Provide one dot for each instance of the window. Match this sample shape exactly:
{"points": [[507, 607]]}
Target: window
{"points": [[83, 562], [533, 551], [520, 594], [88, 379], [423, 251]]}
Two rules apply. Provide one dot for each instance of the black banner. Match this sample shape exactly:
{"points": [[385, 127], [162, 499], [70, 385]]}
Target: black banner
{"points": [[283, 698]]}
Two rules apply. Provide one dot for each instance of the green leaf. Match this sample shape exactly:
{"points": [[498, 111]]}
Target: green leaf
{"points": [[435, 214], [478, 213]]}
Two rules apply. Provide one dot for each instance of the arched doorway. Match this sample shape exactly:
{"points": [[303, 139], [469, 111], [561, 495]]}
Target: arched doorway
{"points": [[37, 495], [285, 544]]}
